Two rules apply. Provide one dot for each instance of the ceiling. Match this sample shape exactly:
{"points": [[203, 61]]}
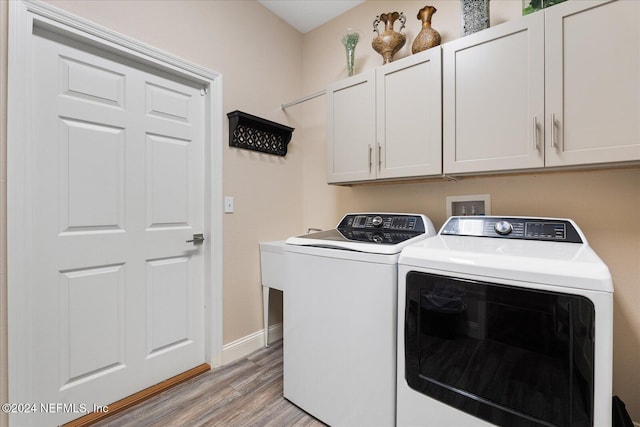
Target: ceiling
{"points": [[305, 15]]}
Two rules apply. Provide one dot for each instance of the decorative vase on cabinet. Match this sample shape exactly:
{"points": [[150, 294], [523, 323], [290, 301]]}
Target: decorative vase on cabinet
{"points": [[389, 42], [427, 37], [350, 40], [475, 16]]}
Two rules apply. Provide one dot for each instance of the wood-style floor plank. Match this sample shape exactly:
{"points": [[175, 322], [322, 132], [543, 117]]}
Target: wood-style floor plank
{"points": [[245, 393]]}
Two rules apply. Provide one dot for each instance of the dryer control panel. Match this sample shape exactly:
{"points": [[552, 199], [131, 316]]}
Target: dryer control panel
{"points": [[551, 229]]}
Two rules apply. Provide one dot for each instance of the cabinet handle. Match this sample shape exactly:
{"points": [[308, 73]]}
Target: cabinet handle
{"points": [[553, 130], [379, 157], [370, 157], [536, 142]]}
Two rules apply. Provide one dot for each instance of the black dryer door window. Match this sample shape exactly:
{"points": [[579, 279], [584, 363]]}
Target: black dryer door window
{"points": [[511, 356]]}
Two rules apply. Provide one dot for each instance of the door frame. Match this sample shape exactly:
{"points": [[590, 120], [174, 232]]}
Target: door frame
{"points": [[24, 16]]}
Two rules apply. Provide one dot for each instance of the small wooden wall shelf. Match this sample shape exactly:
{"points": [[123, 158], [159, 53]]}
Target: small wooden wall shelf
{"points": [[258, 134]]}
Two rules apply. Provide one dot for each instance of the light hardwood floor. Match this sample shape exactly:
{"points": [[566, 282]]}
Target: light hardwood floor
{"points": [[247, 392]]}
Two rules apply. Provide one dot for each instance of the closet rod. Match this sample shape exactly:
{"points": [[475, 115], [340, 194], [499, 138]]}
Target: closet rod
{"points": [[301, 100]]}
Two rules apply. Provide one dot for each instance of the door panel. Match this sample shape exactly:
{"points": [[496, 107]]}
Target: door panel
{"points": [[118, 183], [167, 181], [168, 103], [168, 305], [92, 348], [91, 153], [90, 82]]}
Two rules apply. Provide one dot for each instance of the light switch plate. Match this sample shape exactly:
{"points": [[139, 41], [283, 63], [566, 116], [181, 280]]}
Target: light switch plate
{"points": [[228, 204]]}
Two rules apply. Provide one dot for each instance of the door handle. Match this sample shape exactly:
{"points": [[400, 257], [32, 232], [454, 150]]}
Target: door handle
{"points": [[198, 239]]}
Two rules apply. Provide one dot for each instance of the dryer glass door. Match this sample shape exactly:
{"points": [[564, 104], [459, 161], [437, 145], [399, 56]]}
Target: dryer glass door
{"points": [[511, 356]]}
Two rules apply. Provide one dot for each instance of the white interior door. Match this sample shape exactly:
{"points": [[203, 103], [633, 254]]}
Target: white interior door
{"points": [[117, 170]]}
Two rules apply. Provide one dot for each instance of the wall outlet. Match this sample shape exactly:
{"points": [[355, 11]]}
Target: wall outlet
{"points": [[228, 204], [479, 204]]}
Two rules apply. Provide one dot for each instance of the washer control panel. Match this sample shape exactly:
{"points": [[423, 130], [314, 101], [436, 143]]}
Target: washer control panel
{"points": [[557, 230], [383, 222], [381, 228]]}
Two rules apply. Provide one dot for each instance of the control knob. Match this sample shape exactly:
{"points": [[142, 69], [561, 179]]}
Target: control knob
{"points": [[376, 221], [503, 227]]}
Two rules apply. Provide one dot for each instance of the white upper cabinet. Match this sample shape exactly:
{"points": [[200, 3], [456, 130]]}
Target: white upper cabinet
{"points": [[592, 82], [559, 87], [493, 98], [351, 132], [409, 112], [387, 123]]}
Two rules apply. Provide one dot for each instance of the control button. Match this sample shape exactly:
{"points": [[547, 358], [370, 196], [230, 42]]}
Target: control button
{"points": [[503, 228], [376, 221]]}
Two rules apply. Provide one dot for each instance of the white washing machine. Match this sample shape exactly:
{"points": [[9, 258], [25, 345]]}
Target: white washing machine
{"points": [[504, 321], [340, 311]]}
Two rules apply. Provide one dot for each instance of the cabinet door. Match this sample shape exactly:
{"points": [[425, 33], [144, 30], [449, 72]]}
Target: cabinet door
{"points": [[409, 112], [351, 132], [493, 93], [592, 82]]}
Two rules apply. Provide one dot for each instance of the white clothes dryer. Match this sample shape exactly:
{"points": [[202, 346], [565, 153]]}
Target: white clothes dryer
{"points": [[504, 321]]}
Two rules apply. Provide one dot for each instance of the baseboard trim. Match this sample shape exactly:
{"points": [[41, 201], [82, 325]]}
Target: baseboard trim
{"points": [[138, 397], [248, 344]]}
